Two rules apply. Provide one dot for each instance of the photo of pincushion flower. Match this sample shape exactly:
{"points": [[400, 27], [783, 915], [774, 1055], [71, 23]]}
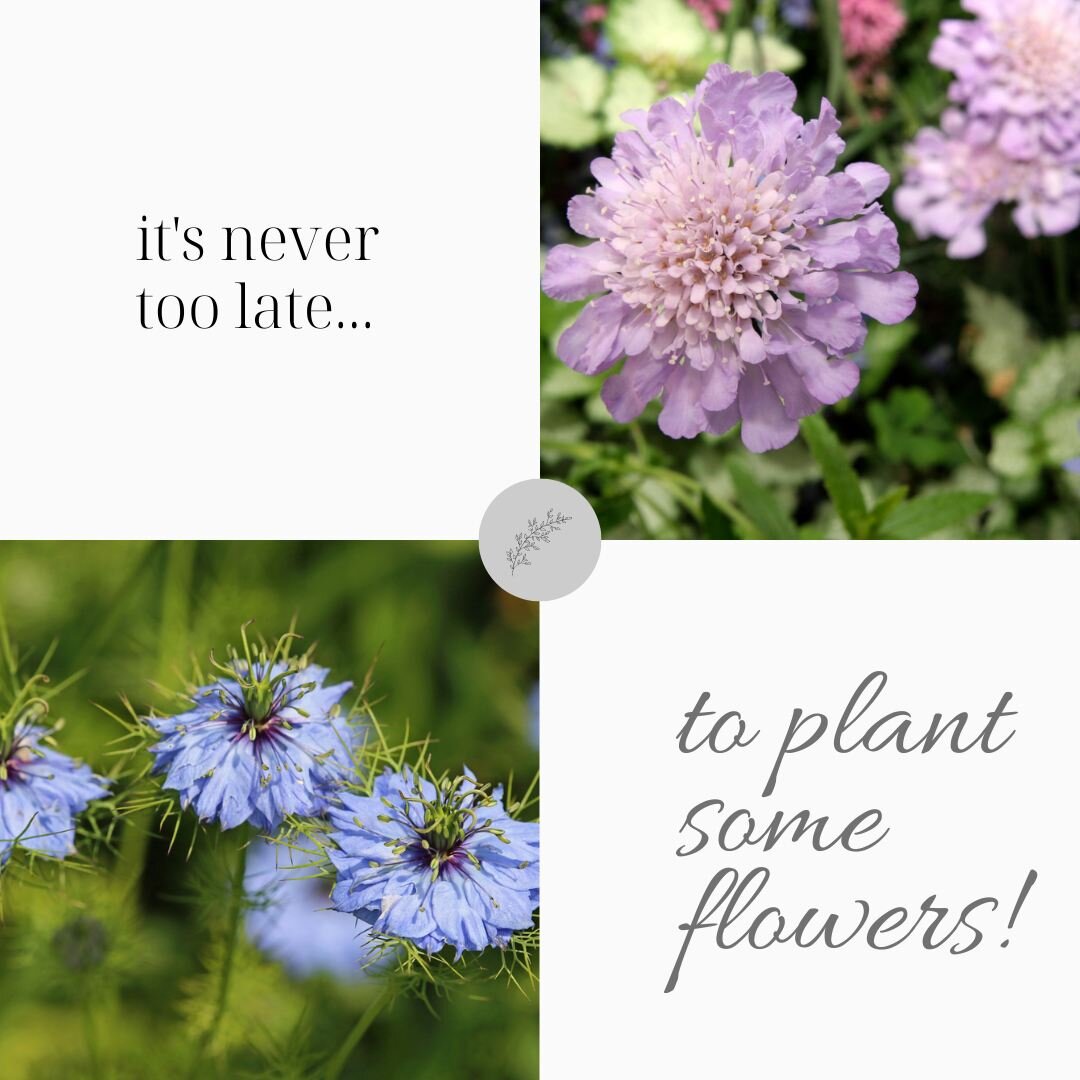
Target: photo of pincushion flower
{"points": [[267, 809], [808, 269]]}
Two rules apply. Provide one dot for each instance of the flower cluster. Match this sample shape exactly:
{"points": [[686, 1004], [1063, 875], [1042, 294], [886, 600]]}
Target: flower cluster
{"points": [[261, 742], [436, 862], [1013, 133], [735, 266], [41, 792]]}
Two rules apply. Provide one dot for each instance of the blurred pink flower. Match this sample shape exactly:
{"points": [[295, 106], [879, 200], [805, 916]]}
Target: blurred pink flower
{"points": [[710, 11], [869, 27]]}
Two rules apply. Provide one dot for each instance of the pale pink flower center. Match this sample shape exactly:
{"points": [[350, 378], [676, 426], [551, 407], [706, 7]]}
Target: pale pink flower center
{"points": [[1041, 47], [707, 245]]}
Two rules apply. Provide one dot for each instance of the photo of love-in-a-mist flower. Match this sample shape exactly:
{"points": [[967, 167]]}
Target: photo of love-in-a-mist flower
{"points": [[266, 809], [809, 269]]}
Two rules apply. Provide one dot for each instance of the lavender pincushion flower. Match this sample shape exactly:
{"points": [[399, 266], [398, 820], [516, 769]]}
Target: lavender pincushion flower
{"points": [[262, 741], [1015, 68], [436, 863], [735, 266], [953, 181], [41, 792], [290, 918]]}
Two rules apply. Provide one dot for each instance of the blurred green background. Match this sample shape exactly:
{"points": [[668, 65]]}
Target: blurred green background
{"points": [[104, 970]]}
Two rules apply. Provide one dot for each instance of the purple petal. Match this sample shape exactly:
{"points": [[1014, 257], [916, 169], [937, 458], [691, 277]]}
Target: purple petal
{"points": [[573, 273], [627, 393], [835, 323], [590, 344], [795, 398], [721, 386], [873, 178], [682, 416], [585, 218], [765, 425], [889, 298]]}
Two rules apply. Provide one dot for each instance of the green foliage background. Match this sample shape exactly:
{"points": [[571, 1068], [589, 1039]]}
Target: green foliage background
{"points": [[457, 657], [965, 413]]}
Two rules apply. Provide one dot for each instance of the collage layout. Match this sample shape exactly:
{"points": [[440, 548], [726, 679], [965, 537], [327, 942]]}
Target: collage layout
{"points": [[809, 271]]}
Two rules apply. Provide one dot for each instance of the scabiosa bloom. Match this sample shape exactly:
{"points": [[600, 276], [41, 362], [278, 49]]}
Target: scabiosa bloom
{"points": [[290, 918], [436, 863], [41, 792], [952, 182], [737, 266], [1015, 68], [262, 741], [869, 27]]}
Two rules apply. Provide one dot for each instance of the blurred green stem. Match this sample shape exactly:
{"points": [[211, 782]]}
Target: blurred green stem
{"points": [[352, 1040], [172, 635], [731, 24], [231, 939], [93, 1052], [837, 74]]}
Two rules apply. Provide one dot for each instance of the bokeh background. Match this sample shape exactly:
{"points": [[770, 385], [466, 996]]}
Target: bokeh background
{"points": [[457, 658], [976, 395]]}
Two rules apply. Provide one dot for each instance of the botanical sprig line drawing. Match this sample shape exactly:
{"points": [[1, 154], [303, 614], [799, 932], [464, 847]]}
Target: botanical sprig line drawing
{"points": [[538, 532]]}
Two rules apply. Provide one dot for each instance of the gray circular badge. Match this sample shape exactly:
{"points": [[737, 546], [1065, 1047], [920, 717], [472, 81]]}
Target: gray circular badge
{"points": [[539, 539]]}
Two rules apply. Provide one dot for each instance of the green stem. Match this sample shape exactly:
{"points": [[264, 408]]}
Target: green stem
{"points": [[731, 24], [830, 25], [352, 1040], [176, 582], [93, 1052], [231, 939]]}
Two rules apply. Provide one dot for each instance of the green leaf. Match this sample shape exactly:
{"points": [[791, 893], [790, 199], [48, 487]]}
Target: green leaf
{"points": [[665, 37], [631, 88], [884, 345], [885, 506], [1061, 433], [841, 480], [1014, 452], [1052, 378], [715, 524], [928, 514], [657, 506], [555, 317], [1003, 341], [572, 89], [768, 53], [911, 428], [760, 505]]}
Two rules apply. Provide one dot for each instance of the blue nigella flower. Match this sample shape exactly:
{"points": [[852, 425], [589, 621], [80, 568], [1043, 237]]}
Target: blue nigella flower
{"points": [[263, 741], [291, 920], [435, 862], [41, 792]]}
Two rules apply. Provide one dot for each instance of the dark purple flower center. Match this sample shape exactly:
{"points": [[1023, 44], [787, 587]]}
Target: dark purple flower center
{"points": [[452, 817], [15, 762]]}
